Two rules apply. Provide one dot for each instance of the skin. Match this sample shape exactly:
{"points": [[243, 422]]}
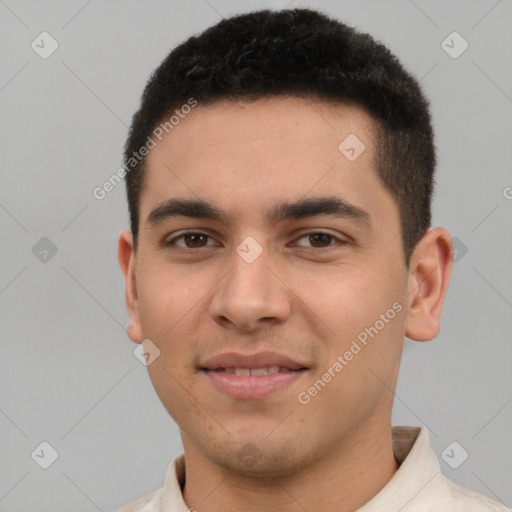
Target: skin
{"points": [[307, 298]]}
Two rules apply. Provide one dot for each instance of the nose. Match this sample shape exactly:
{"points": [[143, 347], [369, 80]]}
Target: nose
{"points": [[251, 295]]}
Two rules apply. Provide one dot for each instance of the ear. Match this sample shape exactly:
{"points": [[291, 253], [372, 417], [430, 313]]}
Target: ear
{"points": [[127, 261], [429, 276]]}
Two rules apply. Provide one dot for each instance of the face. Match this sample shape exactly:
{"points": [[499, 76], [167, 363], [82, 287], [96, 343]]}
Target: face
{"points": [[321, 290]]}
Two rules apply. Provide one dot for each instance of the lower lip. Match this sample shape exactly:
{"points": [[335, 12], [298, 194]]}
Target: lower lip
{"points": [[256, 386]]}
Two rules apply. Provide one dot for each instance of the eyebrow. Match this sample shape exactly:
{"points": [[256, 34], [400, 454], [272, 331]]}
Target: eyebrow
{"points": [[304, 208]]}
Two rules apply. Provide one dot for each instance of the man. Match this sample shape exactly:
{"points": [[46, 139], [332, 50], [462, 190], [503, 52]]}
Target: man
{"points": [[279, 178]]}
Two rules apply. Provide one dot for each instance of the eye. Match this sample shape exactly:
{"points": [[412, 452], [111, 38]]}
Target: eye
{"points": [[192, 239], [321, 239]]}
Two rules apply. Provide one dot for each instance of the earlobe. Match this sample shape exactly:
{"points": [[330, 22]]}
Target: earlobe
{"points": [[127, 260], [430, 270]]}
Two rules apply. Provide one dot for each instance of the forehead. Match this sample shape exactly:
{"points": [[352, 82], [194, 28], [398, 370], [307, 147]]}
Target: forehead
{"points": [[298, 121], [251, 155]]}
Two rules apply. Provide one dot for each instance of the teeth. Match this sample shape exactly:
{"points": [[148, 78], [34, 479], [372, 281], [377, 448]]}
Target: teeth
{"points": [[259, 371], [245, 372]]}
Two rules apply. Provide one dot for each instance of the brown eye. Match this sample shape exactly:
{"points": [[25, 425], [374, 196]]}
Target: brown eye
{"points": [[191, 240], [194, 240], [321, 240]]}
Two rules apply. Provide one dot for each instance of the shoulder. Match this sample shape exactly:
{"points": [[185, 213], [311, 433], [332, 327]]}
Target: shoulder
{"points": [[465, 499], [148, 503]]}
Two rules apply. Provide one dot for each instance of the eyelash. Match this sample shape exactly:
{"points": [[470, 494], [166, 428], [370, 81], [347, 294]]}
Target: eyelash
{"points": [[188, 250]]}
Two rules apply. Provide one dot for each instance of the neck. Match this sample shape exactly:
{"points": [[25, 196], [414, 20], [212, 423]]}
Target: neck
{"points": [[351, 476]]}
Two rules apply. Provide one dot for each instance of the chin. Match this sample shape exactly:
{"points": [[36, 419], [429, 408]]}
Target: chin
{"points": [[261, 459]]}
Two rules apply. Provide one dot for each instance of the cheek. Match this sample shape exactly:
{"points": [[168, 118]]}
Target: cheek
{"points": [[165, 297], [365, 318], [168, 301], [344, 299], [167, 304], [363, 356]]}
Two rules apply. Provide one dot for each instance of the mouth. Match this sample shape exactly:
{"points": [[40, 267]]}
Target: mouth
{"points": [[251, 376], [253, 383]]}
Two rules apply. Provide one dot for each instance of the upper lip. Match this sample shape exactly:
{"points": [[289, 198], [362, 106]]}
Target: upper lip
{"points": [[258, 360]]}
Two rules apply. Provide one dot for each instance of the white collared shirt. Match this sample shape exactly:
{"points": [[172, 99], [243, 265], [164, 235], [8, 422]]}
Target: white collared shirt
{"points": [[417, 486]]}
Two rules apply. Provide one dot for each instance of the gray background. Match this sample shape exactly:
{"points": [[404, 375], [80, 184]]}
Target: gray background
{"points": [[68, 373]]}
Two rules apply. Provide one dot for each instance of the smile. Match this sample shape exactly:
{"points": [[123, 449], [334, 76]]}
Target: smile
{"points": [[252, 383]]}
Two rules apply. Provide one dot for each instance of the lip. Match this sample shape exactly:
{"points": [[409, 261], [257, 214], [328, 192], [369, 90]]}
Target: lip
{"points": [[252, 387], [257, 360]]}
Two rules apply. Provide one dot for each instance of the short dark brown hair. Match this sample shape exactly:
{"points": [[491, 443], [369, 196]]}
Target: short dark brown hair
{"points": [[299, 52]]}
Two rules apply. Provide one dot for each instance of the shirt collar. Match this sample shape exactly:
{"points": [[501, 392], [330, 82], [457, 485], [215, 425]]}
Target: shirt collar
{"points": [[417, 481]]}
